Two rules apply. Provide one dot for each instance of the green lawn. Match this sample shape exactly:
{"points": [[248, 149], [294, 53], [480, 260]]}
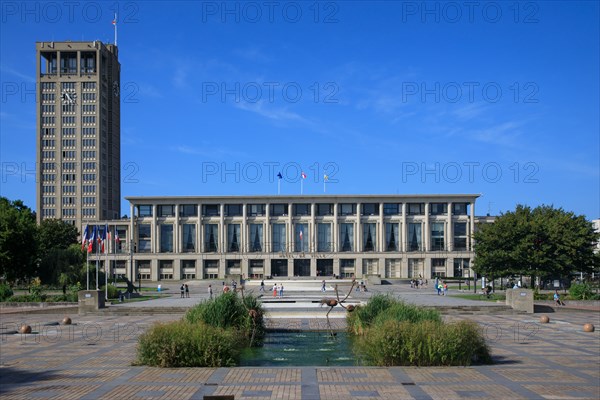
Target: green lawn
{"points": [[477, 296]]}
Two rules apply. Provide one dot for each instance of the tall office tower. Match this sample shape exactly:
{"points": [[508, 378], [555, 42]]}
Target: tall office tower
{"points": [[78, 131]]}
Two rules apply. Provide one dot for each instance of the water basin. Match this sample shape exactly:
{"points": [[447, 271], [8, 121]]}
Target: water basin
{"points": [[301, 348]]}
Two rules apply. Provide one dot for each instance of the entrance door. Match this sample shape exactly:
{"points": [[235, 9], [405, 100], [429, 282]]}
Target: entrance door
{"points": [[279, 268], [301, 267]]}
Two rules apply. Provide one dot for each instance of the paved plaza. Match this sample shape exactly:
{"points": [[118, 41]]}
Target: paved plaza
{"points": [[92, 359]]}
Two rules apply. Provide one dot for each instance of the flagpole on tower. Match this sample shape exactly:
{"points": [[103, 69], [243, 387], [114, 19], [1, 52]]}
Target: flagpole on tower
{"points": [[279, 177], [115, 25]]}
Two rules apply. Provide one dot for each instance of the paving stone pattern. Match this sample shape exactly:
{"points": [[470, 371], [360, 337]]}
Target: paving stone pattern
{"points": [[92, 359]]}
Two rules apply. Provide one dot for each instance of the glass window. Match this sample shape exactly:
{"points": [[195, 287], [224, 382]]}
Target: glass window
{"points": [[438, 208], [460, 266], [144, 210], [459, 208], [166, 211], [460, 236], [279, 210], [188, 210], [391, 209], [414, 237], [233, 238], [144, 238], [370, 209], [256, 210], [233, 210], [256, 237], [188, 239], [346, 237], [301, 209], [301, 237], [369, 237], [324, 209], [324, 237], [392, 237], [437, 236], [211, 210], [416, 208], [166, 238], [278, 238], [211, 238], [347, 209]]}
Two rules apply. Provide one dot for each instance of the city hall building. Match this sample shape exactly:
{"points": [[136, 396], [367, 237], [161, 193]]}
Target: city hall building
{"points": [[214, 237]]}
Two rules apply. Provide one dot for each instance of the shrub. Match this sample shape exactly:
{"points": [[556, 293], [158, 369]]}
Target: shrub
{"points": [[423, 343], [182, 344], [383, 307], [359, 320], [5, 291], [229, 311], [113, 292], [400, 311], [580, 291]]}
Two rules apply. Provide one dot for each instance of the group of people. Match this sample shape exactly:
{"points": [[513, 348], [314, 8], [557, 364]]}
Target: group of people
{"points": [[442, 288], [185, 290], [278, 290], [417, 283]]}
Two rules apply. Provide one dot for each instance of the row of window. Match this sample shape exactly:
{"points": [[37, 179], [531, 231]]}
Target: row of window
{"points": [[391, 268], [412, 239], [303, 209], [49, 86]]}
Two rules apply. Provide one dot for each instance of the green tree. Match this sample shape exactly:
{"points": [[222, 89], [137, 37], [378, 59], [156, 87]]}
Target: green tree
{"points": [[543, 241], [58, 252], [17, 240]]}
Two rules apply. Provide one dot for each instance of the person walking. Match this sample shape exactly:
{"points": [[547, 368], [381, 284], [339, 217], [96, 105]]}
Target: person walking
{"points": [[445, 288], [182, 291], [557, 300], [281, 290], [262, 286], [187, 291], [274, 290], [323, 285], [210, 292]]}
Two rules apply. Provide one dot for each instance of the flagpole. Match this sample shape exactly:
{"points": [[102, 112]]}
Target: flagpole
{"points": [[87, 265], [278, 186], [106, 265], [97, 264], [301, 184], [115, 24]]}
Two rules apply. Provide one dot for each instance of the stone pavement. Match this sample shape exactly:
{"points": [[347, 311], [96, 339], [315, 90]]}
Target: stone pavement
{"points": [[93, 359]]}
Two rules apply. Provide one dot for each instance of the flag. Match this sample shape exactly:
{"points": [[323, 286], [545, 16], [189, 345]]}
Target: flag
{"points": [[303, 175], [325, 177], [105, 235], [91, 241], [117, 240], [280, 176], [84, 237], [114, 21], [300, 234]]}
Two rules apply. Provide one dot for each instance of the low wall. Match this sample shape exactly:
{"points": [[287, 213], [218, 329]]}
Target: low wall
{"points": [[520, 299]]}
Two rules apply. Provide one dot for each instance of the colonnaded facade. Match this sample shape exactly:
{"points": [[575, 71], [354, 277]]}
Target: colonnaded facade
{"points": [[214, 237]]}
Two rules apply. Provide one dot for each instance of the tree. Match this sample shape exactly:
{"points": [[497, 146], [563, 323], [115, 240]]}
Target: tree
{"points": [[17, 240], [55, 234], [543, 241]]}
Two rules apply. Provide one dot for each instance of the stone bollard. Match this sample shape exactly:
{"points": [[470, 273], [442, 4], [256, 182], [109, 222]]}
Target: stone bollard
{"points": [[544, 319], [589, 328], [66, 321], [25, 329]]}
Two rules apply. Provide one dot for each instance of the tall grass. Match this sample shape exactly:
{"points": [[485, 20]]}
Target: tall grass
{"points": [[182, 344], [382, 307], [423, 343], [390, 332], [230, 311]]}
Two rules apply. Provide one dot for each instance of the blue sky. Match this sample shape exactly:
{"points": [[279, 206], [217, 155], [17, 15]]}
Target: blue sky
{"points": [[501, 98]]}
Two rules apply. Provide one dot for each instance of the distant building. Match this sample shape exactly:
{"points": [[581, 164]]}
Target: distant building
{"points": [[78, 131], [211, 237]]}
